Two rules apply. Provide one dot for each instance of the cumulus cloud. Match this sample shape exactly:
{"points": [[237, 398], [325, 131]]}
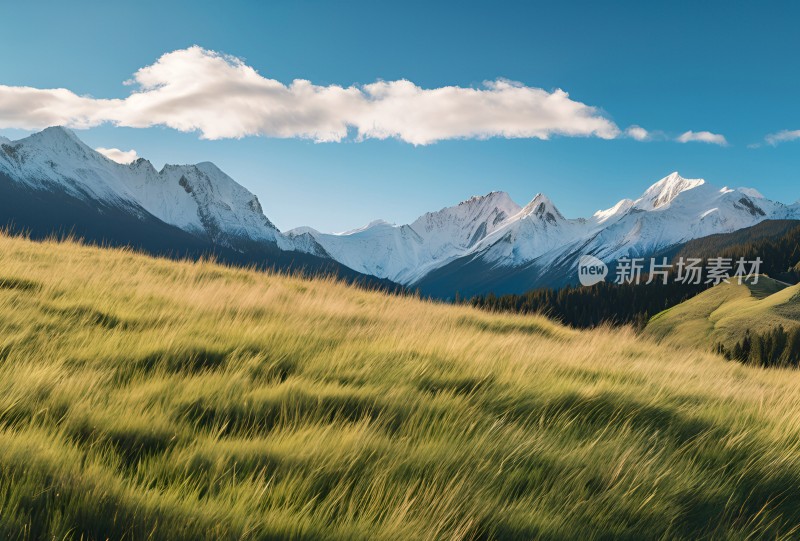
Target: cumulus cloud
{"points": [[117, 155], [702, 137], [33, 109], [782, 137], [403, 110], [220, 97]]}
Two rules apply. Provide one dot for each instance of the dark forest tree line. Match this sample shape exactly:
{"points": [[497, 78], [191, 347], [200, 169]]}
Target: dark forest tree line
{"points": [[635, 304], [775, 348], [585, 307]]}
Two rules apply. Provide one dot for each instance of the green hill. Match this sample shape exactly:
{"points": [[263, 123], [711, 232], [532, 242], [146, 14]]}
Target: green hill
{"points": [[724, 313], [143, 398]]}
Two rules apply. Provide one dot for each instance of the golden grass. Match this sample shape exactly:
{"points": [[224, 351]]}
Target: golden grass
{"points": [[150, 399], [725, 312]]}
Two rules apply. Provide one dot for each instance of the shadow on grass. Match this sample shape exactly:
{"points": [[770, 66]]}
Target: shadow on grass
{"points": [[19, 284], [501, 326]]}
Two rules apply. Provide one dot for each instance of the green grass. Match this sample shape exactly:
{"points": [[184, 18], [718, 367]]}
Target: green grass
{"points": [[149, 399], [724, 313]]}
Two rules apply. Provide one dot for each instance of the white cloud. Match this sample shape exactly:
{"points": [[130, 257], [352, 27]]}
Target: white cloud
{"points": [[221, 97], [117, 155], [501, 108], [638, 133], [702, 137], [782, 137], [29, 108]]}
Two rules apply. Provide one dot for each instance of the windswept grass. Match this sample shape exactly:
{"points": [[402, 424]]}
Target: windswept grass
{"points": [[724, 313], [149, 399]]}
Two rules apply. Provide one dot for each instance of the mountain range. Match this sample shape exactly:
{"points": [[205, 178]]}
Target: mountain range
{"points": [[492, 244], [51, 182]]}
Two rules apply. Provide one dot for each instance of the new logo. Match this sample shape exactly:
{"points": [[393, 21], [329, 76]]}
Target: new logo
{"points": [[591, 270]]}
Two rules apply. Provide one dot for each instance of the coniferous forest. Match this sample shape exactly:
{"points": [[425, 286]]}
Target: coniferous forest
{"points": [[777, 347], [634, 304]]}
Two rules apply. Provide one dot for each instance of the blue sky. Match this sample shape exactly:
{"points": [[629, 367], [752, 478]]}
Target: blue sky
{"points": [[668, 67]]}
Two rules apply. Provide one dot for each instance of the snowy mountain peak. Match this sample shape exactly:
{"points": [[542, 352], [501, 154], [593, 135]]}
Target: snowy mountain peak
{"points": [[224, 207], [497, 198], [484, 213], [372, 225], [60, 140], [57, 139], [542, 208], [617, 211], [141, 164], [58, 133], [665, 190], [751, 192], [210, 168]]}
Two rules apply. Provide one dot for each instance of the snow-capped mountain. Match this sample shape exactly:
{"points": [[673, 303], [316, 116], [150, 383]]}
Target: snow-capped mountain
{"points": [[490, 243], [406, 253], [675, 210], [199, 199], [671, 211], [51, 182]]}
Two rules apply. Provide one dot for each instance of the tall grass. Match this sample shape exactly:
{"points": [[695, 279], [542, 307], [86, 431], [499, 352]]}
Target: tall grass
{"points": [[152, 399]]}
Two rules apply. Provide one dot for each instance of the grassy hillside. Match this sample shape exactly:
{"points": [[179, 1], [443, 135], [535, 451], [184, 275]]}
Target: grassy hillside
{"points": [[724, 313], [149, 399]]}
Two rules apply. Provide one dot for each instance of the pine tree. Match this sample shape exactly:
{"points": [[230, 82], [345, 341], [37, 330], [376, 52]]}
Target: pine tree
{"points": [[747, 346], [738, 353], [756, 355], [791, 353]]}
